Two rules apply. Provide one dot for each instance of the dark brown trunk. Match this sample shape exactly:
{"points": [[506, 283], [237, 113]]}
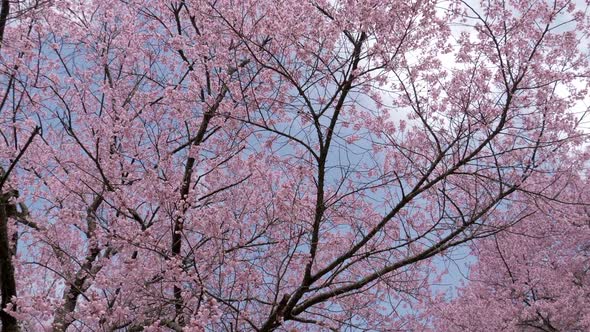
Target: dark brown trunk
{"points": [[4, 10], [7, 280]]}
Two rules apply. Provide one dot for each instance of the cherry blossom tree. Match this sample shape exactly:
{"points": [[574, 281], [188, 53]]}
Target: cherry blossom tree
{"points": [[270, 165], [533, 277]]}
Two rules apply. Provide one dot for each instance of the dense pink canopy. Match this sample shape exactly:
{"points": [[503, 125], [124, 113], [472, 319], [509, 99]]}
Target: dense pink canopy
{"points": [[532, 277], [281, 165]]}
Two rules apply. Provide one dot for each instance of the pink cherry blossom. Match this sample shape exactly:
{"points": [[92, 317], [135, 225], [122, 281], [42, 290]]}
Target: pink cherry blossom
{"points": [[285, 165]]}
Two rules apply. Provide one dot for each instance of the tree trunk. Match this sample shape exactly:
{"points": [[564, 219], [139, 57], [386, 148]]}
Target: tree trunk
{"points": [[7, 281]]}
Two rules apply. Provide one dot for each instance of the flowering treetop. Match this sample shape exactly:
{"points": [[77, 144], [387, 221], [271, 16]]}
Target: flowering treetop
{"points": [[262, 165]]}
